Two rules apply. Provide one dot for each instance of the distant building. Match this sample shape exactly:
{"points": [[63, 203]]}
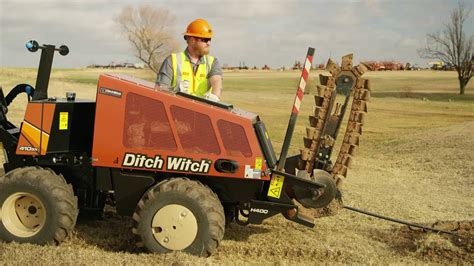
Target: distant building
{"points": [[113, 65], [383, 65]]}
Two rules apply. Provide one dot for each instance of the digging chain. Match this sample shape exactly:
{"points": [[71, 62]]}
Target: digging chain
{"points": [[327, 117]]}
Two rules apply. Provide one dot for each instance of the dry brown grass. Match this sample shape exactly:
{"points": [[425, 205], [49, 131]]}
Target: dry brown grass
{"points": [[416, 163]]}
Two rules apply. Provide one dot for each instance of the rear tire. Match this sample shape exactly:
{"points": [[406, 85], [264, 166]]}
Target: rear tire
{"points": [[36, 206], [179, 214]]}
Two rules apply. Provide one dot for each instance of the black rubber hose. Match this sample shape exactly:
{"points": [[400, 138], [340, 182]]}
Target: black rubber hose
{"points": [[28, 89]]}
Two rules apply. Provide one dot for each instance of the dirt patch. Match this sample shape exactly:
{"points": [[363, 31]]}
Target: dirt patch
{"points": [[331, 210], [112, 233], [432, 247]]}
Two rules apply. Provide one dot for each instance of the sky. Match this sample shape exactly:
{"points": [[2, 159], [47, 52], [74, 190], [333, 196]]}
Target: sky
{"points": [[254, 32]]}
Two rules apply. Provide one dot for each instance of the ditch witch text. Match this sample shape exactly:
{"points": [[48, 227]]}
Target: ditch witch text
{"points": [[178, 164]]}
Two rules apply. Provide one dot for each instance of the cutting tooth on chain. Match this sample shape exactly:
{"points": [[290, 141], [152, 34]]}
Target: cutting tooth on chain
{"points": [[367, 85], [305, 154], [354, 127], [347, 62], [357, 117], [316, 123], [339, 169], [331, 83], [359, 106], [323, 79], [332, 67], [339, 180], [327, 83], [360, 83], [359, 70], [319, 100], [328, 93], [319, 112], [310, 132], [308, 142], [347, 161], [362, 94], [351, 139], [344, 159], [320, 90], [336, 168], [348, 148]]}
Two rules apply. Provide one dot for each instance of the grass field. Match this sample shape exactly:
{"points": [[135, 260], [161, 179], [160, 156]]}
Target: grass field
{"points": [[416, 163]]}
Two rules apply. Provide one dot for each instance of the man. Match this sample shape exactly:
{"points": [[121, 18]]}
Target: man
{"points": [[193, 71]]}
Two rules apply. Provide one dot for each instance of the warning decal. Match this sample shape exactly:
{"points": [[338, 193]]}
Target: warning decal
{"points": [[258, 163], [63, 120], [276, 184]]}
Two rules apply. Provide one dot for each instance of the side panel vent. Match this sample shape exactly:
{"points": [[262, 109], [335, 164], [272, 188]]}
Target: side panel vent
{"points": [[234, 138], [195, 131], [146, 124]]}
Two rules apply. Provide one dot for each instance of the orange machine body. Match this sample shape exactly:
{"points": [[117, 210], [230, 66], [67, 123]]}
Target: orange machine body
{"points": [[36, 129], [54, 126], [137, 127]]}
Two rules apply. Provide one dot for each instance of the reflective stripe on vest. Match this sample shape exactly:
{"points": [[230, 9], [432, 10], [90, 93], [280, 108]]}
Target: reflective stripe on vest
{"points": [[184, 76]]}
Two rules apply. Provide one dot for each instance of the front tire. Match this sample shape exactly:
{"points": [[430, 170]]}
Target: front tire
{"points": [[36, 206], [179, 214]]}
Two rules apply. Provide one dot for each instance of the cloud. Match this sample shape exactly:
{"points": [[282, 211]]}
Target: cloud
{"points": [[273, 32]]}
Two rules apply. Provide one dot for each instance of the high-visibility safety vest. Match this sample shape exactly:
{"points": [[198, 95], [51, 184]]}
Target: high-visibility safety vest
{"points": [[184, 77]]}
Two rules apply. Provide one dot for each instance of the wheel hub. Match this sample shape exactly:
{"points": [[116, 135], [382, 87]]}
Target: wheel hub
{"points": [[174, 227], [23, 214], [318, 198]]}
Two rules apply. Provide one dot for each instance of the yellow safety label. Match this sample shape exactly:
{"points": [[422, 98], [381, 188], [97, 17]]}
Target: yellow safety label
{"points": [[63, 120], [276, 184], [258, 163]]}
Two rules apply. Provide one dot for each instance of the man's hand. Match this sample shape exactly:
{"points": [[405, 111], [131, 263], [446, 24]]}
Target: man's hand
{"points": [[184, 86], [212, 97]]}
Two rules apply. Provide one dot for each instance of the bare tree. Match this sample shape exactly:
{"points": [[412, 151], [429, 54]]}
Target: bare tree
{"points": [[452, 46], [150, 31]]}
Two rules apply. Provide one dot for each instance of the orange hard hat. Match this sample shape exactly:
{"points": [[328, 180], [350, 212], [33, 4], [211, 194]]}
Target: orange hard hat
{"points": [[199, 28]]}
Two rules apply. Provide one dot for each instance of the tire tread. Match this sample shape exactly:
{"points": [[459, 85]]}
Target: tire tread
{"points": [[61, 192], [197, 191]]}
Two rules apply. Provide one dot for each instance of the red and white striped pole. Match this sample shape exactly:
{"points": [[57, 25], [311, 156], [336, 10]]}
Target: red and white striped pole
{"points": [[296, 109]]}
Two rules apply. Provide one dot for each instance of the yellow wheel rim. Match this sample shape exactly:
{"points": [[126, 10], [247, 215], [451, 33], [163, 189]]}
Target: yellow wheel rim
{"points": [[174, 227], [23, 214]]}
